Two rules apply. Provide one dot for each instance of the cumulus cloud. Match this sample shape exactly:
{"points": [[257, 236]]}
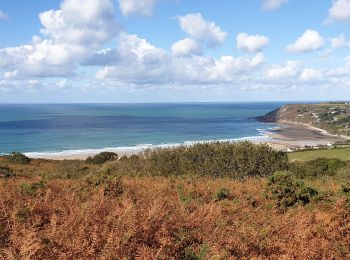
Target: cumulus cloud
{"points": [[270, 5], [71, 33], [204, 32], [3, 16], [82, 22], [287, 70], [309, 41], [309, 74], [142, 7], [340, 42], [340, 11], [251, 43], [143, 63], [186, 47]]}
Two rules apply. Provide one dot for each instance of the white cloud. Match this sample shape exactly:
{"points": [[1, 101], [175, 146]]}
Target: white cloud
{"points": [[309, 74], [3, 16], [340, 11], [83, 22], [340, 42], [270, 5], [309, 41], [142, 7], [143, 63], [251, 43], [287, 70], [202, 31], [186, 47], [72, 33]]}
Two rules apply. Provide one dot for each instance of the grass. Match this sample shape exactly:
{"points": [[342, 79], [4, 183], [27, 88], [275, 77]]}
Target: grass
{"points": [[335, 153]]}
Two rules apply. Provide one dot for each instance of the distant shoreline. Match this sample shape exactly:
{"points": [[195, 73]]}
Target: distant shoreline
{"points": [[289, 136]]}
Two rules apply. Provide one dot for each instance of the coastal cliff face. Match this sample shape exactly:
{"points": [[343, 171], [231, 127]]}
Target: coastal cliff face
{"points": [[332, 117]]}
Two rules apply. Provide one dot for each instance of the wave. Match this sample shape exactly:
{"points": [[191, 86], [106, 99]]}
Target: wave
{"points": [[138, 148]]}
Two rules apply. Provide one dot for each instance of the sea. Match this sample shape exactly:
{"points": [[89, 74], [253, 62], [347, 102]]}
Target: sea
{"points": [[64, 129]]}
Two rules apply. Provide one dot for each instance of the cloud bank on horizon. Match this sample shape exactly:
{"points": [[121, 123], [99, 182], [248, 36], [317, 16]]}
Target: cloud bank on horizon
{"points": [[88, 50]]}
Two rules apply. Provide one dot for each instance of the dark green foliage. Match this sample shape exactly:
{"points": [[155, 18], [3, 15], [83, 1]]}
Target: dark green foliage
{"points": [[23, 213], [288, 190], [6, 172], [112, 185], [32, 189], [17, 158], [103, 157], [317, 168], [345, 187], [222, 194], [235, 160]]}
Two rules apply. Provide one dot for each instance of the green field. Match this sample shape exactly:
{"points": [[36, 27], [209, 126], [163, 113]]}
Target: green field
{"points": [[337, 153]]}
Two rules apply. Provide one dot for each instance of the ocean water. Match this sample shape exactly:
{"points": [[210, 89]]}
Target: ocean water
{"points": [[74, 128]]}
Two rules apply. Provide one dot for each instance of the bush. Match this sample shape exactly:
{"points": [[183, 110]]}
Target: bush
{"points": [[17, 158], [345, 187], [317, 167], [235, 160], [32, 188], [6, 172], [222, 194], [103, 157], [288, 190], [113, 187]]}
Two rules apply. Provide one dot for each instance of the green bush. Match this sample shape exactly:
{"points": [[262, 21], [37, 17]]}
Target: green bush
{"points": [[17, 158], [6, 172], [317, 167], [288, 190], [103, 157], [235, 160], [222, 194], [32, 189], [112, 185], [345, 187]]}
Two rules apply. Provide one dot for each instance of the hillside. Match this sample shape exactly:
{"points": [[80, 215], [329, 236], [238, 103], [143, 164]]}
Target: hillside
{"points": [[332, 117], [213, 201]]}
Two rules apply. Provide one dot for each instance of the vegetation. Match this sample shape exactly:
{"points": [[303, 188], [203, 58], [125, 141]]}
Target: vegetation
{"points": [[335, 153], [103, 157], [183, 203], [288, 190], [17, 158], [332, 117]]}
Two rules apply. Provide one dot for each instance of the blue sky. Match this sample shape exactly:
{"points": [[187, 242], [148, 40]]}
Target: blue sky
{"points": [[174, 50]]}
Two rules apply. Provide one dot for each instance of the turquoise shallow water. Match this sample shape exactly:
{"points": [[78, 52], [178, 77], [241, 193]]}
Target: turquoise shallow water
{"points": [[78, 127]]}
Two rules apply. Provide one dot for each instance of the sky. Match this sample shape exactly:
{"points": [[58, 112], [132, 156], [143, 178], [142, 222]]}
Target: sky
{"points": [[113, 51]]}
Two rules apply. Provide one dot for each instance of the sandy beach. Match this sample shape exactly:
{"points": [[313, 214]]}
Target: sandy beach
{"points": [[283, 138]]}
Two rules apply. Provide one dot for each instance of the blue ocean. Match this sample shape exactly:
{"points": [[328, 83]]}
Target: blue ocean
{"points": [[74, 128]]}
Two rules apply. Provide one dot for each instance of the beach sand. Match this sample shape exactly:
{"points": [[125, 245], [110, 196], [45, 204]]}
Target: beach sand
{"points": [[283, 138]]}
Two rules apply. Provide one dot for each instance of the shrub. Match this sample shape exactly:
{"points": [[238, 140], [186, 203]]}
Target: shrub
{"points": [[235, 160], [222, 194], [317, 167], [103, 157], [288, 190], [32, 188], [17, 158], [345, 187], [6, 172], [113, 187]]}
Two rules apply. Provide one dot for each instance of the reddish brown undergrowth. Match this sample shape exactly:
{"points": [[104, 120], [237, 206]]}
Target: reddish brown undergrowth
{"points": [[164, 218]]}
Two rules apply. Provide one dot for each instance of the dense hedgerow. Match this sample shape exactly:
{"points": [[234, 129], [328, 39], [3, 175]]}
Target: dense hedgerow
{"points": [[316, 168], [234, 160]]}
